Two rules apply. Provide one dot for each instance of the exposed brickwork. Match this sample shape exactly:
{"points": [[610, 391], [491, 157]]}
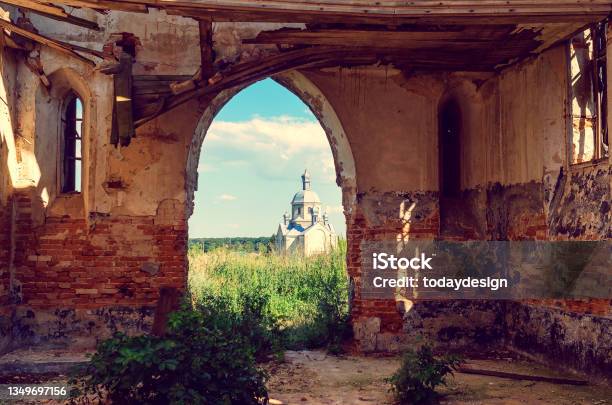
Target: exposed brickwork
{"points": [[5, 305], [391, 216], [569, 332], [70, 264], [5, 243], [497, 213]]}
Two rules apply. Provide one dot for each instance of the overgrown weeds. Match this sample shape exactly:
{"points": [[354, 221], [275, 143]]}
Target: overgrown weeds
{"points": [[278, 301]]}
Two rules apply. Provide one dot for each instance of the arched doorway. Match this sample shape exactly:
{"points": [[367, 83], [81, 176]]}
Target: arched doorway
{"points": [[343, 171]]}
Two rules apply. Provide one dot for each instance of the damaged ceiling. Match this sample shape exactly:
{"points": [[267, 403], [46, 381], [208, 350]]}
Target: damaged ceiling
{"points": [[443, 34], [449, 35]]}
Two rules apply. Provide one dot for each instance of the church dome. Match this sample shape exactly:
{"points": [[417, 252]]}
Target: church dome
{"points": [[305, 196]]}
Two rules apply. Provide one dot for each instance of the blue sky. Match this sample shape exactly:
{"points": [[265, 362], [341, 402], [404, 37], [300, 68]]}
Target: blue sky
{"points": [[251, 161]]}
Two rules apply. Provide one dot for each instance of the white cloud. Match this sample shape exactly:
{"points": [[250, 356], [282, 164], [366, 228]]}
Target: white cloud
{"points": [[272, 147], [285, 135], [227, 197]]}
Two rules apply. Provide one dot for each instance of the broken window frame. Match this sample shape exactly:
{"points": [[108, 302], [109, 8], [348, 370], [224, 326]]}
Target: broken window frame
{"points": [[601, 142], [71, 144]]}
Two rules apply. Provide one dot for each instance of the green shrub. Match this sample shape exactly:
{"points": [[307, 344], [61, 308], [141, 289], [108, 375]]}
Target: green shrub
{"points": [[247, 316], [193, 363], [420, 373]]}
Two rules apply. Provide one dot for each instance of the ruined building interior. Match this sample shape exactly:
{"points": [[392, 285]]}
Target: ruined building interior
{"points": [[459, 120]]}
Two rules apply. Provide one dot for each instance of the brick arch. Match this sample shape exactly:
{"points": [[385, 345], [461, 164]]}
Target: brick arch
{"points": [[314, 98]]}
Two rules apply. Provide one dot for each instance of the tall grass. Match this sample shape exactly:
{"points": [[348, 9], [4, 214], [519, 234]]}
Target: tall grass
{"points": [[281, 301]]}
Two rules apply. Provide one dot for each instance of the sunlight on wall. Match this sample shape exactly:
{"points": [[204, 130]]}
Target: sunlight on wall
{"points": [[7, 137]]}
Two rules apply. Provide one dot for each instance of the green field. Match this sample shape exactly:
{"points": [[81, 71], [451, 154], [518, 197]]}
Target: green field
{"points": [[283, 301]]}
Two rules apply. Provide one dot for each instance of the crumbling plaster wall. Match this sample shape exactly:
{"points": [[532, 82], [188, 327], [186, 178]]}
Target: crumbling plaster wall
{"points": [[391, 119], [176, 38], [8, 171], [544, 197], [87, 264], [133, 181], [515, 181]]}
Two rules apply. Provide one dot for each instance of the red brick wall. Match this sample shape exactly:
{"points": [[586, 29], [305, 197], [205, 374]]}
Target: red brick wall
{"points": [[359, 230], [5, 243], [5, 303], [73, 262], [69, 264]]}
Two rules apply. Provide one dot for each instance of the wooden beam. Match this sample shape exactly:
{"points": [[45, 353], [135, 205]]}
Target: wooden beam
{"points": [[47, 9], [159, 78], [10, 42], [341, 11], [168, 302], [79, 48], [51, 43], [247, 73], [440, 46], [527, 377], [391, 39], [206, 49], [133, 7], [240, 74], [387, 20], [396, 8], [51, 11]]}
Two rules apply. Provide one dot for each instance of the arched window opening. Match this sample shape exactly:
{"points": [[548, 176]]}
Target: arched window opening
{"points": [[450, 149], [71, 145]]}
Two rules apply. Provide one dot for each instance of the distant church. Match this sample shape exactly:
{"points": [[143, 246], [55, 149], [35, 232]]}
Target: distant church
{"points": [[307, 231]]}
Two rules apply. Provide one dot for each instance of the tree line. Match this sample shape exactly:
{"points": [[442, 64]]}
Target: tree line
{"points": [[261, 244]]}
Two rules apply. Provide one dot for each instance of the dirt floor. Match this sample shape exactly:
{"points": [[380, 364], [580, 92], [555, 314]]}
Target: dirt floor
{"points": [[312, 377], [315, 378]]}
